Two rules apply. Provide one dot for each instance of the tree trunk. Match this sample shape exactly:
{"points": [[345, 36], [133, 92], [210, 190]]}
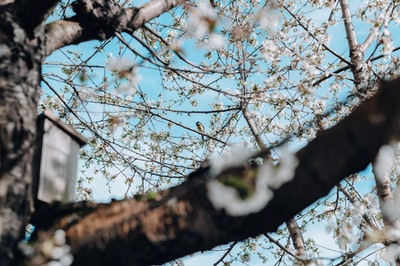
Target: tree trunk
{"points": [[19, 91]]}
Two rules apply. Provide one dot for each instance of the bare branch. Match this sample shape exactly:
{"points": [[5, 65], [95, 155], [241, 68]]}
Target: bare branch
{"points": [[296, 236], [271, 239], [80, 30], [356, 53], [233, 244], [348, 24], [61, 33], [152, 10]]}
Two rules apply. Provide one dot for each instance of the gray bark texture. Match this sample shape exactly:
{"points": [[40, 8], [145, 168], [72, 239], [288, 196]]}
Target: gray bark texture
{"points": [[20, 62]]}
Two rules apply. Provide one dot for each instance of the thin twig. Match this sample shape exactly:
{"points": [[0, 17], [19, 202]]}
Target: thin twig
{"points": [[226, 253]]}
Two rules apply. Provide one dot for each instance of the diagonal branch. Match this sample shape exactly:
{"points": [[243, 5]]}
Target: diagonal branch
{"points": [[348, 24], [62, 33], [356, 53], [182, 220], [80, 28]]}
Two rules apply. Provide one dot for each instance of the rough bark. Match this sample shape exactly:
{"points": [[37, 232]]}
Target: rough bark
{"points": [[91, 23], [297, 237], [20, 60], [359, 66], [183, 220]]}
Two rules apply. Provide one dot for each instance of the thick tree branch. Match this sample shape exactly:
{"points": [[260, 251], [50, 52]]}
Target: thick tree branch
{"points": [[85, 25], [33, 13], [62, 33], [182, 220]]}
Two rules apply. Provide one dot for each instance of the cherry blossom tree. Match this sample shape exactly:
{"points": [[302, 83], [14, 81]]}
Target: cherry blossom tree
{"points": [[295, 98]]}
